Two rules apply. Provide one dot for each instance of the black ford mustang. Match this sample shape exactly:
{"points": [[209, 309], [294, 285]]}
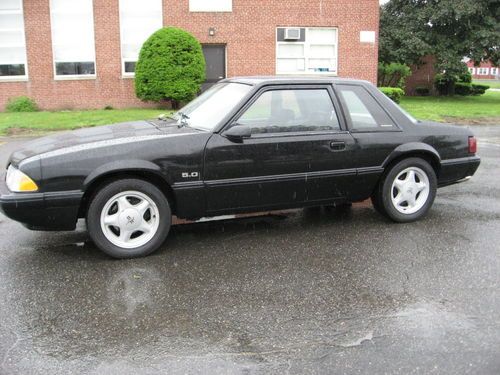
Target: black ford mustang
{"points": [[247, 144]]}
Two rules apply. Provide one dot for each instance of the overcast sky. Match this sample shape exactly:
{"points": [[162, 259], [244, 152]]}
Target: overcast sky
{"points": [[383, 1]]}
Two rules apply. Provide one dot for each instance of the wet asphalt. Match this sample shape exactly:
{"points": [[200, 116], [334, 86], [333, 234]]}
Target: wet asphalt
{"points": [[308, 292]]}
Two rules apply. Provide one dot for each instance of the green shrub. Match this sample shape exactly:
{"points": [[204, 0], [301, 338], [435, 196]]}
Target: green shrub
{"points": [[478, 89], [463, 89], [393, 75], [465, 77], [395, 93], [445, 84], [422, 91], [21, 104], [171, 66]]}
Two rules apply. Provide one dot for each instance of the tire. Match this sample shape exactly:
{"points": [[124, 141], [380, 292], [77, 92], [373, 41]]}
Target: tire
{"points": [[129, 218], [407, 191], [377, 203]]}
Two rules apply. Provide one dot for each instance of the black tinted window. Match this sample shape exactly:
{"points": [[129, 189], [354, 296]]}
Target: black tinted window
{"points": [[294, 110]]}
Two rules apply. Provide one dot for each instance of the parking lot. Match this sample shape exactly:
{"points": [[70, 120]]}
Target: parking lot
{"points": [[315, 291]]}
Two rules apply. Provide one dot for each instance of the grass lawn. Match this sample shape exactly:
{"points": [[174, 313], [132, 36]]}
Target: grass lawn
{"points": [[15, 123], [493, 84], [461, 108]]}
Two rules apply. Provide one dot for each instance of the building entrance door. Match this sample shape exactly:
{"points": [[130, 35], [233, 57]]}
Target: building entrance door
{"points": [[215, 59]]}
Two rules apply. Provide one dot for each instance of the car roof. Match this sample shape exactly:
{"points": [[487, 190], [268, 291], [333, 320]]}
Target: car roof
{"points": [[258, 80]]}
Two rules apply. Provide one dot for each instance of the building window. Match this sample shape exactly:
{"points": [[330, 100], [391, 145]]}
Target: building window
{"points": [[472, 71], [482, 71], [12, 40], [494, 71], [311, 51], [210, 5], [138, 20], [72, 24]]}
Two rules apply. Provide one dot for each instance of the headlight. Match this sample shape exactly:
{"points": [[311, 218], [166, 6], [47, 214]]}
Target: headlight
{"points": [[18, 182]]}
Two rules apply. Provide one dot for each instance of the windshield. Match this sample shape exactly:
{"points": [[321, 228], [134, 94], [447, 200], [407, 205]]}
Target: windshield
{"points": [[207, 110]]}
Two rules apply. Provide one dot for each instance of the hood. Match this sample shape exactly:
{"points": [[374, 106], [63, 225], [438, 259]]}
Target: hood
{"points": [[126, 131]]}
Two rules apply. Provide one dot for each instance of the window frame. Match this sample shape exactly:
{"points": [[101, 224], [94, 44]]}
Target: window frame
{"points": [[345, 111], [482, 71], [274, 87], [494, 71], [70, 77], [25, 77], [210, 11], [307, 46], [122, 60]]}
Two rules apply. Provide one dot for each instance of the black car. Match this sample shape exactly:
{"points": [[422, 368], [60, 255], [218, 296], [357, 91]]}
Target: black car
{"points": [[247, 144]]}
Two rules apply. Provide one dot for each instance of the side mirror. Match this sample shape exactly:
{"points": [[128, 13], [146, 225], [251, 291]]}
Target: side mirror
{"points": [[238, 132]]}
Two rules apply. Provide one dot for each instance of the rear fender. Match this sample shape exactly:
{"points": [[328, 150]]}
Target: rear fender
{"points": [[412, 148]]}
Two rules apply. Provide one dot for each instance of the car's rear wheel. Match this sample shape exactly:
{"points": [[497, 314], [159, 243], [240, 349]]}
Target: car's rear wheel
{"points": [[407, 191], [128, 218]]}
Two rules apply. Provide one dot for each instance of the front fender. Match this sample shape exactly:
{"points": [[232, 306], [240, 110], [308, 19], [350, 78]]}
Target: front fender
{"points": [[412, 148], [121, 166]]}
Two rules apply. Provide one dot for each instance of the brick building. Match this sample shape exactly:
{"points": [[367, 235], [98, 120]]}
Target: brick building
{"points": [[422, 75], [81, 53], [485, 70]]}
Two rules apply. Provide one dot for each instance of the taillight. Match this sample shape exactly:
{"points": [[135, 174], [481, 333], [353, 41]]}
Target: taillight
{"points": [[472, 145]]}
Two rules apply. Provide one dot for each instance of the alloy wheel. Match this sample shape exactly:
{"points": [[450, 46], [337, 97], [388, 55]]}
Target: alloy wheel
{"points": [[130, 219], [410, 190]]}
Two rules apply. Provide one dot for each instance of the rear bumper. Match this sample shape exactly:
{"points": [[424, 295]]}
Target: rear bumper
{"points": [[41, 211], [454, 171]]}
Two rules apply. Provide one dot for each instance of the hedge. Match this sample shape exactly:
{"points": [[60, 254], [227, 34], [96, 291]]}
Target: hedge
{"points": [[21, 104], [479, 89], [463, 89], [393, 93]]}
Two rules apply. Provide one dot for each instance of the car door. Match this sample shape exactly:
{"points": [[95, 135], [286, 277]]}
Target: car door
{"points": [[375, 132], [295, 134]]}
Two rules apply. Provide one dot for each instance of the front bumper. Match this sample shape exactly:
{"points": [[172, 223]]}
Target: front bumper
{"points": [[41, 211]]}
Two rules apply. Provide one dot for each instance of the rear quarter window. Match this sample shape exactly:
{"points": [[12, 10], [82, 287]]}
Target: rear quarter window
{"points": [[364, 112]]}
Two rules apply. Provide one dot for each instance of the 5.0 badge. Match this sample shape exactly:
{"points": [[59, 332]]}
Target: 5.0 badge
{"points": [[190, 174]]}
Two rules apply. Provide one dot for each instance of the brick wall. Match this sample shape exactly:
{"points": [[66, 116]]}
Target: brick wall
{"points": [[422, 76], [248, 32]]}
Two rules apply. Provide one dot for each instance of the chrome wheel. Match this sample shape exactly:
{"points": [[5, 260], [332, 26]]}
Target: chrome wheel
{"points": [[130, 219], [410, 190]]}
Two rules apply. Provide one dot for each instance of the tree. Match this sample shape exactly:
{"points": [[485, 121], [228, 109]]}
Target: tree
{"points": [[447, 29], [171, 67]]}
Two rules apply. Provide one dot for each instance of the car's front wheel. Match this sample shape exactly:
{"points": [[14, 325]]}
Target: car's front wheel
{"points": [[407, 191], [128, 218]]}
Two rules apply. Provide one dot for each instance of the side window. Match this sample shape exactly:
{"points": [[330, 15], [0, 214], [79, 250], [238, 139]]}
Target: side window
{"points": [[363, 109], [295, 110]]}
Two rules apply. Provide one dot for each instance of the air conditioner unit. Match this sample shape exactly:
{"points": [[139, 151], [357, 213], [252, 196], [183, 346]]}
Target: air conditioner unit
{"points": [[292, 33]]}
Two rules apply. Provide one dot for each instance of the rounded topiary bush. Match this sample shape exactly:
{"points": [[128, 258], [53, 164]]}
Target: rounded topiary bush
{"points": [[395, 93], [171, 66], [21, 104]]}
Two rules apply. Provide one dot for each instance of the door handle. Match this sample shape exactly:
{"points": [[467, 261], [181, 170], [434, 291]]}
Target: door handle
{"points": [[337, 145]]}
